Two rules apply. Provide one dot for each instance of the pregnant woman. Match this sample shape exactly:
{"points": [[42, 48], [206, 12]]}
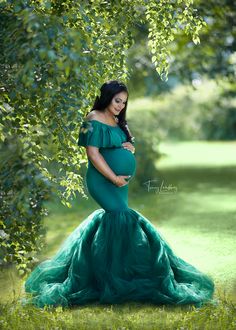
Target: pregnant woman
{"points": [[115, 254]]}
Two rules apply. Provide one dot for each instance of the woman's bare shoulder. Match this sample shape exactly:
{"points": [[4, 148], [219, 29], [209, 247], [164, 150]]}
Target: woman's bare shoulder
{"points": [[94, 114]]}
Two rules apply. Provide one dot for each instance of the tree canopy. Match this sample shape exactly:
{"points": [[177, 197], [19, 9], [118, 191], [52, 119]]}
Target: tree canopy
{"points": [[56, 54]]}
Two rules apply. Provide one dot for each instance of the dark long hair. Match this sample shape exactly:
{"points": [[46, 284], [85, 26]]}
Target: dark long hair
{"points": [[108, 90]]}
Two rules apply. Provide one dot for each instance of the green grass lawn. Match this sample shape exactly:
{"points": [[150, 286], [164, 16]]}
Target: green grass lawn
{"points": [[199, 222]]}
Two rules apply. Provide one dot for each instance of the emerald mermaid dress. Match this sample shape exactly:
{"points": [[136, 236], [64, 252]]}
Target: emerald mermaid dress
{"points": [[116, 254]]}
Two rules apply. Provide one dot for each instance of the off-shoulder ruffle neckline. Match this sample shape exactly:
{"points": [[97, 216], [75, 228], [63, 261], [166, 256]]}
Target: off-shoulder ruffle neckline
{"points": [[98, 134], [97, 121]]}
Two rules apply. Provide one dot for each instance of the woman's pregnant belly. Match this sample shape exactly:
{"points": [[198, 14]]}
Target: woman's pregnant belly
{"points": [[120, 160], [105, 193]]}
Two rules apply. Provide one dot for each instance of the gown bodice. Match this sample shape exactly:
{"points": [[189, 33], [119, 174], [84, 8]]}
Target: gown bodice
{"points": [[109, 140]]}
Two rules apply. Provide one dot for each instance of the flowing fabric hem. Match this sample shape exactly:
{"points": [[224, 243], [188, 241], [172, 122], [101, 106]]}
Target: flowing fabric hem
{"points": [[114, 257]]}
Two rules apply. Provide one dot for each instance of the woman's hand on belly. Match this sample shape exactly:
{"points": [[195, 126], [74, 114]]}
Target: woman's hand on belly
{"points": [[129, 146], [120, 180]]}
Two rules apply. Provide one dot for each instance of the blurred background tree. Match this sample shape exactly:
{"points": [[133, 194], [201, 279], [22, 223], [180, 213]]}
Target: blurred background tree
{"points": [[208, 109]]}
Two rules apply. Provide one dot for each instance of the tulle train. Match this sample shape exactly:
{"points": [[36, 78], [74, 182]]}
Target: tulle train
{"points": [[113, 257]]}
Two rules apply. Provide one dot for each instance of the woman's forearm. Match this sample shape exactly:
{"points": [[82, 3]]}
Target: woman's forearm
{"points": [[101, 165]]}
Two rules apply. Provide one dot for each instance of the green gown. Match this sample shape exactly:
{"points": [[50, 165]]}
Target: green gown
{"points": [[116, 254]]}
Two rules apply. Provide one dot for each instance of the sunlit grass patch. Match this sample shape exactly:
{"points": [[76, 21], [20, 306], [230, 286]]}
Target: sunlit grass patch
{"points": [[130, 315]]}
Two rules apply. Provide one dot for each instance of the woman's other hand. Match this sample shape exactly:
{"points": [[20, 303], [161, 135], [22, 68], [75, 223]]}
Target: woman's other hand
{"points": [[129, 146], [120, 180]]}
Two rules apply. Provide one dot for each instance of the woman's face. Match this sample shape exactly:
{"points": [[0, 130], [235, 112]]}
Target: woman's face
{"points": [[117, 103]]}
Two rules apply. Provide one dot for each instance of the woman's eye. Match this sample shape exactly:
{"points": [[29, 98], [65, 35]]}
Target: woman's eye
{"points": [[117, 101]]}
